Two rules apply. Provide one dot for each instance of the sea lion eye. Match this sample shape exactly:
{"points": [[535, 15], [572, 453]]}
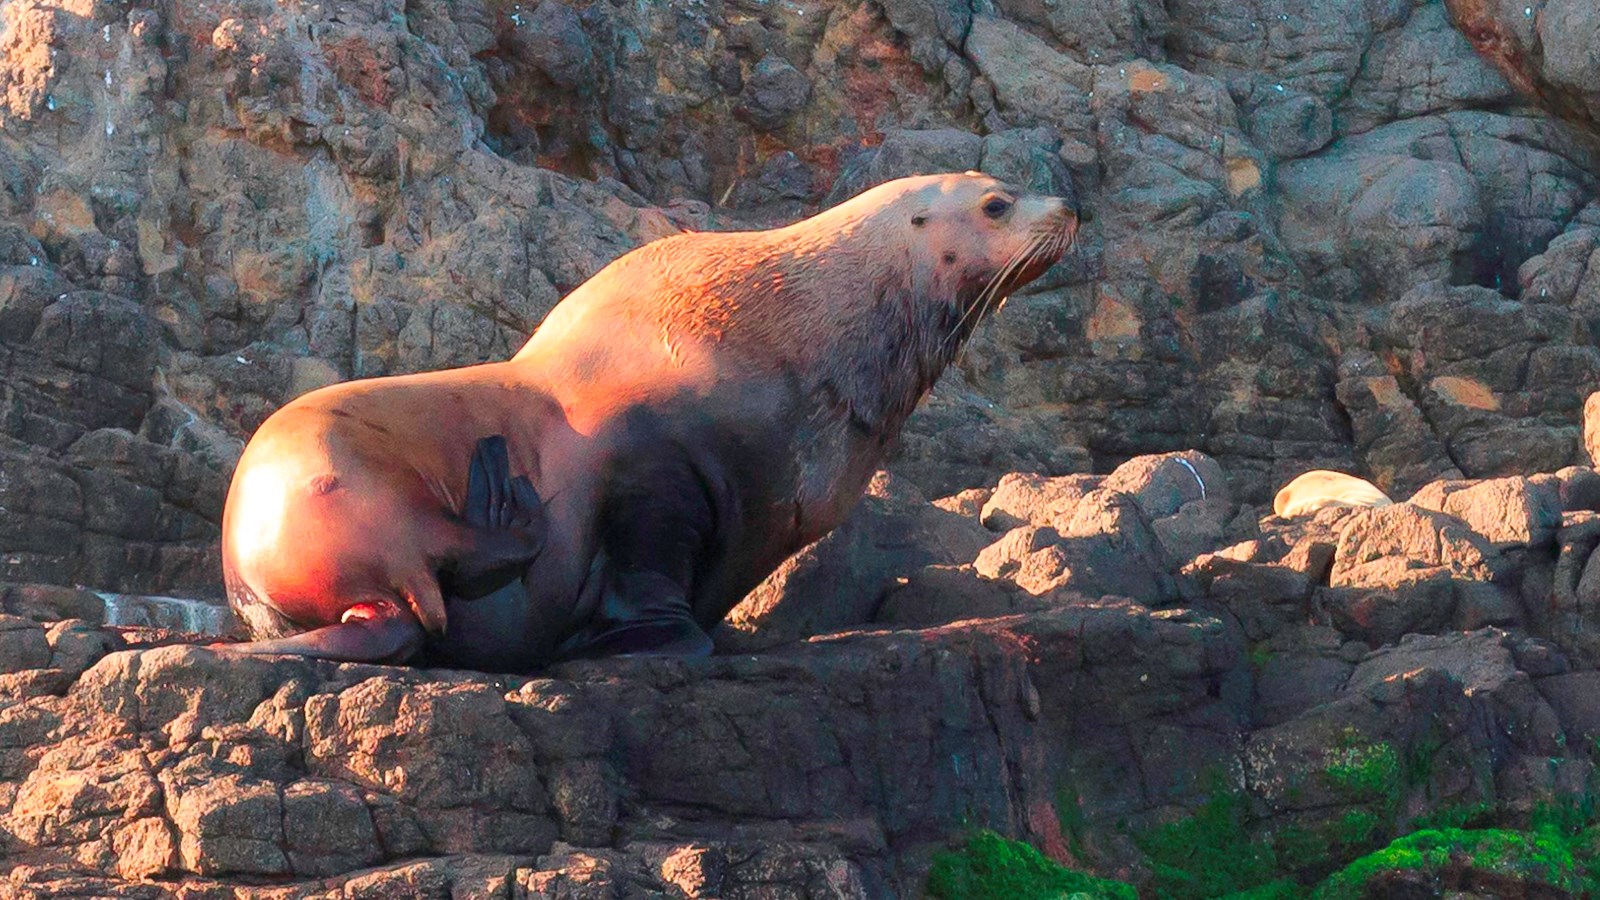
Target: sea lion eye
{"points": [[919, 220], [995, 207]]}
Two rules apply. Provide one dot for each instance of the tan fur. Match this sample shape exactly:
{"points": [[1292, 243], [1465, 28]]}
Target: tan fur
{"points": [[806, 347], [803, 295], [1321, 488]]}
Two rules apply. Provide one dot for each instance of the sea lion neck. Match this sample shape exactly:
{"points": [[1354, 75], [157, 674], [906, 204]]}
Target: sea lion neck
{"points": [[847, 301]]}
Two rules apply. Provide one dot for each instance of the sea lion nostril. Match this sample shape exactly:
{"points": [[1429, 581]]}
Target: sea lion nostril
{"points": [[1085, 215]]}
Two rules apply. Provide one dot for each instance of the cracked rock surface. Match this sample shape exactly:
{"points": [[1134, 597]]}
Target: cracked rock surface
{"points": [[1367, 666], [1326, 235]]}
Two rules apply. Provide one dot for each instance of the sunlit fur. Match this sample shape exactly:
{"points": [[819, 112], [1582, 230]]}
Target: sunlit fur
{"points": [[1321, 489], [858, 296], [787, 359]]}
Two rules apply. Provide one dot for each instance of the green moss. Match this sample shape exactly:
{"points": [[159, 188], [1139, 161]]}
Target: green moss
{"points": [[1069, 814], [1259, 656], [1466, 815], [991, 867], [1300, 848], [1208, 854], [1350, 881], [1283, 889], [1356, 828], [1541, 857], [1567, 815], [1364, 770]]}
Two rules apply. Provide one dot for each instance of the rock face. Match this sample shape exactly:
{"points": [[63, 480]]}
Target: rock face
{"points": [[808, 773], [1121, 657], [1324, 237]]}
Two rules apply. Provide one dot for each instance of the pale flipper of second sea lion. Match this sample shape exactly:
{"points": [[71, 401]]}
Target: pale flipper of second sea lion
{"points": [[508, 518]]}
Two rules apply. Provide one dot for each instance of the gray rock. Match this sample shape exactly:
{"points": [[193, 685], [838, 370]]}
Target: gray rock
{"points": [[1288, 685], [839, 581], [1024, 498], [1480, 660], [941, 594], [585, 800], [1033, 83], [1264, 598], [1413, 603], [1561, 76], [969, 502], [1102, 545], [22, 645], [1197, 527], [1578, 487], [1029, 158], [50, 603], [1393, 439], [773, 93], [327, 828], [1572, 695], [1288, 123], [1403, 544], [75, 645], [1509, 512], [910, 152], [553, 39], [1163, 484]]}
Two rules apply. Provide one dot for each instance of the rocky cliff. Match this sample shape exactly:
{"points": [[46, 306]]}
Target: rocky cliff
{"points": [[1326, 234], [1131, 673]]}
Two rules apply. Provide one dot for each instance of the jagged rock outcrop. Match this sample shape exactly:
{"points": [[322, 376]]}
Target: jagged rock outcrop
{"points": [[1338, 676], [1324, 236]]}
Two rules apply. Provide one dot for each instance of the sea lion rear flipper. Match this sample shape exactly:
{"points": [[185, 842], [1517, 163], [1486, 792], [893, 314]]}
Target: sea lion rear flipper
{"points": [[379, 639], [508, 521]]}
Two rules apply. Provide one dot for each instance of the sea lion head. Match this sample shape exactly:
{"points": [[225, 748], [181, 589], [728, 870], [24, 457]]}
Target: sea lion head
{"points": [[969, 238], [878, 295]]}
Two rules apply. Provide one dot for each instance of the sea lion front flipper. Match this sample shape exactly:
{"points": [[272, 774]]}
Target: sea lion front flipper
{"points": [[508, 520], [663, 517], [379, 639], [643, 613]]}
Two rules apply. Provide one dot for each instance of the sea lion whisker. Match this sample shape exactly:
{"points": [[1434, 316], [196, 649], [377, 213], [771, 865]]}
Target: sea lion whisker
{"points": [[990, 297], [986, 298], [977, 302], [1041, 244], [1024, 258], [980, 302]]}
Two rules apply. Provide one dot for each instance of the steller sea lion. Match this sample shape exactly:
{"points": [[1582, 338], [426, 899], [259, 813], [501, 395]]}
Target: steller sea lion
{"points": [[1322, 488], [681, 423]]}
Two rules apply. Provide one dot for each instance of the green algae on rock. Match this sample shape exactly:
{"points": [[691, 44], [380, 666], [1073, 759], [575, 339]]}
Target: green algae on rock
{"points": [[1482, 859], [1208, 854], [991, 867]]}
